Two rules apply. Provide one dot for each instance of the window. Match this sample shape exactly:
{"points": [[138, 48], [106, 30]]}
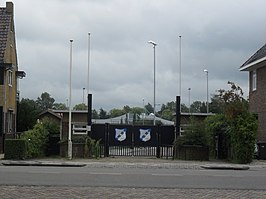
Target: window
{"points": [[79, 129], [10, 120], [254, 80], [9, 78]]}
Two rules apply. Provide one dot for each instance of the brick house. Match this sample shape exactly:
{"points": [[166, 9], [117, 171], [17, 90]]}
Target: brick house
{"points": [[256, 66], [9, 74]]}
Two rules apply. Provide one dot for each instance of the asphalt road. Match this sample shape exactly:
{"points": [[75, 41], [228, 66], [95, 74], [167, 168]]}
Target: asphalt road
{"points": [[117, 177]]}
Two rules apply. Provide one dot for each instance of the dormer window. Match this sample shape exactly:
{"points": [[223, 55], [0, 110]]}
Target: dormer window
{"points": [[254, 80]]}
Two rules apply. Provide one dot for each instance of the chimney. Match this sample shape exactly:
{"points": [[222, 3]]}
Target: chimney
{"points": [[9, 7]]}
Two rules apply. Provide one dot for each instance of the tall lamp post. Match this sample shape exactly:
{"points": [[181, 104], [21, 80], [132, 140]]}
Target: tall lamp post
{"points": [[153, 44], [189, 89], [207, 76], [83, 96], [69, 152]]}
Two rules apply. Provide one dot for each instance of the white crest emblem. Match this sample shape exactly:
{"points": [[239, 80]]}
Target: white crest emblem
{"points": [[145, 134], [120, 134]]}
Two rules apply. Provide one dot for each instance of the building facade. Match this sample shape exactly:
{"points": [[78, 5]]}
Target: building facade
{"points": [[256, 67], [9, 74]]}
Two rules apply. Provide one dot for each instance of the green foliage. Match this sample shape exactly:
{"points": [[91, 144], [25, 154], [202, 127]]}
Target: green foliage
{"points": [[92, 148], [45, 101], [81, 106], [95, 114], [103, 114], [15, 149], [36, 141], [116, 112], [51, 126], [59, 106], [217, 105], [216, 125], [236, 124], [194, 135], [149, 108], [243, 134], [79, 139], [28, 112], [198, 107]]}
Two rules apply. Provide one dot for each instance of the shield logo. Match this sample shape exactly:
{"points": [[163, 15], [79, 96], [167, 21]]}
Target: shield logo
{"points": [[120, 134], [145, 134]]}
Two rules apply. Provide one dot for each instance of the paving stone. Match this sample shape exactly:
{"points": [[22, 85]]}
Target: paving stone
{"points": [[31, 192]]}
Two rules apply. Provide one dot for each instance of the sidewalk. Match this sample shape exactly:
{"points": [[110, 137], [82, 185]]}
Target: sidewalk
{"points": [[133, 162]]}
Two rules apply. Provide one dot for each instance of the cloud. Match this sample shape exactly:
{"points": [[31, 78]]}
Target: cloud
{"points": [[216, 35]]}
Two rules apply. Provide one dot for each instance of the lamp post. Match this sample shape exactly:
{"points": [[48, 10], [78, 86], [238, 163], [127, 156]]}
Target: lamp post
{"points": [[69, 120], [153, 44], [83, 96], [180, 67], [207, 76], [189, 89]]}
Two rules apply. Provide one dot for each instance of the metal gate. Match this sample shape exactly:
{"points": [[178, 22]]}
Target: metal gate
{"points": [[134, 140]]}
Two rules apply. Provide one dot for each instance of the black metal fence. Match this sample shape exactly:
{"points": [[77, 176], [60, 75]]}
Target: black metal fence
{"points": [[134, 140]]}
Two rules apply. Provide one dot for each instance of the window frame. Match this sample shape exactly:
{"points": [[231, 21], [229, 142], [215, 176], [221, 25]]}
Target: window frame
{"points": [[10, 78], [254, 80]]}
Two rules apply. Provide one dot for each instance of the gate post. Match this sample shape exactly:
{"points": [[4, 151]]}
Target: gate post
{"points": [[106, 143], [158, 151]]}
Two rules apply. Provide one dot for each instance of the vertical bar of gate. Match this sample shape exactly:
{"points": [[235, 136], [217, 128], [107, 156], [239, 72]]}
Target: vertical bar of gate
{"points": [[178, 118], [89, 114], [158, 141], [106, 143]]}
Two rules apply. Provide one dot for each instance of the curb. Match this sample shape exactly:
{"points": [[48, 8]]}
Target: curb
{"points": [[50, 164], [225, 167]]}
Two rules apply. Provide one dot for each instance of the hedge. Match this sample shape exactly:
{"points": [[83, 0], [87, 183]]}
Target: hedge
{"points": [[15, 149]]}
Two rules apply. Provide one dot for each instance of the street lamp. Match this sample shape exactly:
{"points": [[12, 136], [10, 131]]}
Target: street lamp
{"points": [[189, 89], [207, 74], [69, 120], [153, 44], [83, 96]]}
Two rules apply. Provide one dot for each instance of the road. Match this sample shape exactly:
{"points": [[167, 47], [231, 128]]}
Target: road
{"points": [[253, 179]]}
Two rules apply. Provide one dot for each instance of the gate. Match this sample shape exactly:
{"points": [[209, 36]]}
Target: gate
{"points": [[134, 140]]}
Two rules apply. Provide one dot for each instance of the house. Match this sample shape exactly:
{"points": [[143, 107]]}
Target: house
{"points": [[9, 74], [256, 67]]}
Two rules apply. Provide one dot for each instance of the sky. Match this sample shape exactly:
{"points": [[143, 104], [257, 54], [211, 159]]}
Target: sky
{"points": [[217, 35]]}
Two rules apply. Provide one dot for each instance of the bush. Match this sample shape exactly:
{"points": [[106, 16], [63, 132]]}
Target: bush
{"points": [[243, 133], [15, 149], [216, 129], [194, 135], [36, 141], [92, 148]]}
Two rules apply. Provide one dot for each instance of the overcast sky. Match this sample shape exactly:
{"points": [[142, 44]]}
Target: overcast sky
{"points": [[217, 35]]}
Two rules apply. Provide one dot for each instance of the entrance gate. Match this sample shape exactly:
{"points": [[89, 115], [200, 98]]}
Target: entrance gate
{"points": [[134, 140]]}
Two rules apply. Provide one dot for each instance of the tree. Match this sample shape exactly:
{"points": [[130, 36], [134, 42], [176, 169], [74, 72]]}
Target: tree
{"points": [[184, 108], [116, 112], [103, 114], [127, 109], [217, 104], [149, 108], [198, 107], [59, 106], [237, 124], [28, 112], [95, 114], [167, 114], [137, 110], [45, 101], [80, 107]]}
